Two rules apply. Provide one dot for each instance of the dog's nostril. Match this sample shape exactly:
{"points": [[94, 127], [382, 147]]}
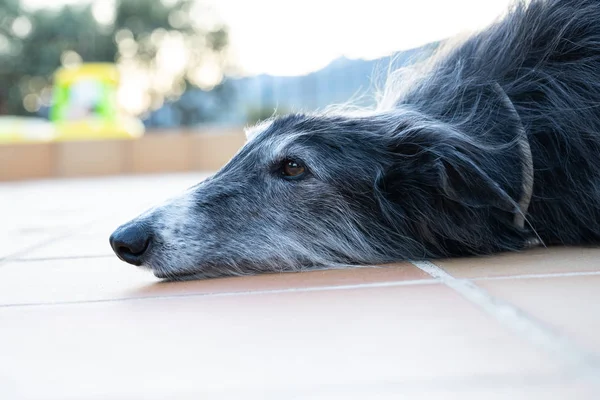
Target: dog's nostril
{"points": [[124, 249], [130, 243]]}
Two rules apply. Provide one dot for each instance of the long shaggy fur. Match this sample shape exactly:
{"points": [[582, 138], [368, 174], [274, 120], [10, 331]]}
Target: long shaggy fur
{"points": [[491, 143]]}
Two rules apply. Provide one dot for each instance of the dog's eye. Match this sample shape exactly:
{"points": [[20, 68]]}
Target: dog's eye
{"points": [[292, 168]]}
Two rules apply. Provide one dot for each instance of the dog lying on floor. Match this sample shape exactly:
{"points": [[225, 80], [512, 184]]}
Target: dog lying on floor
{"points": [[491, 145]]}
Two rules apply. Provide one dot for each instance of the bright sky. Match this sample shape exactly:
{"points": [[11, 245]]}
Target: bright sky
{"points": [[297, 37]]}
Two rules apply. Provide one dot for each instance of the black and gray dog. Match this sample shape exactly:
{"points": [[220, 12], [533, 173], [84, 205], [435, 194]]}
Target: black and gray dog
{"points": [[491, 145]]}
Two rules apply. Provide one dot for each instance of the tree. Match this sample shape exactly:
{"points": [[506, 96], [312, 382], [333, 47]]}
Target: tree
{"points": [[10, 53], [173, 44], [139, 35]]}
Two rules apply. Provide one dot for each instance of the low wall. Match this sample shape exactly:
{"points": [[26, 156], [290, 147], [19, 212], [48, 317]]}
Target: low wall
{"points": [[168, 151]]}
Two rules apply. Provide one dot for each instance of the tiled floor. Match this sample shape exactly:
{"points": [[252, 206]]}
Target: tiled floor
{"points": [[76, 323]]}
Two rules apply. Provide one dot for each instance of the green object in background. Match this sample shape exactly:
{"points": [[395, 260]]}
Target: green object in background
{"points": [[84, 107], [87, 91], [84, 104]]}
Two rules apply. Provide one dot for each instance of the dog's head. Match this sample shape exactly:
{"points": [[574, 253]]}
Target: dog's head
{"points": [[318, 190]]}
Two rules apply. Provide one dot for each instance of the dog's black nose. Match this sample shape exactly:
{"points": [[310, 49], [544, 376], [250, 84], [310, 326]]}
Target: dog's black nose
{"points": [[130, 243]]}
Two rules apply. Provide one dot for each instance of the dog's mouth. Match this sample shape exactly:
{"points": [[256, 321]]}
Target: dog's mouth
{"points": [[177, 276]]}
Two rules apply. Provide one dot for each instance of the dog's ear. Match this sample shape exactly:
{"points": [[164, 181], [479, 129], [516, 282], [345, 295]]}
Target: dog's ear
{"points": [[464, 181], [442, 165]]}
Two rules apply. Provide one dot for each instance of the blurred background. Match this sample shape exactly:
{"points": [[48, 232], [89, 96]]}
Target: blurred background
{"points": [[114, 69]]}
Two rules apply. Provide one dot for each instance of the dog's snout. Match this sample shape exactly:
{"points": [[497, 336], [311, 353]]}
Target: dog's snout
{"points": [[130, 243]]}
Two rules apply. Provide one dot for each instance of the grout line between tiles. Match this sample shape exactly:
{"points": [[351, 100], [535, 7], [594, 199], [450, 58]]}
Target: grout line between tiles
{"points": [[404, 386], [476, 279], [237, 293], [536, 276], [40, 244], [65, 234], [510, 316], [61, 258], [70, 232]]}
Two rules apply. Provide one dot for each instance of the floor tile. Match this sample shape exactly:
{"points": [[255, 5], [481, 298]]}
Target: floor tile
{"points": [[553, 388], [46, 221], [69, 280], [290, 342], [79, 244], [90, 196], [77, 323], [500, 388], [87, 239], [73, 280], [391, 275], [15, 244], [33, 212], [568, 304], [535, 261]]}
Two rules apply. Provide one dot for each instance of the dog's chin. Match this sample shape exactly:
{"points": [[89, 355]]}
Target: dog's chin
{"points": [[174, 276]]}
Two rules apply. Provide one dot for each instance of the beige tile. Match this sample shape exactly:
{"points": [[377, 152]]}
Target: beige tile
{"points": [[535, 261], [26, 161], [63, 235], [36, 221], [48, 207], [154, 153], [72, 280], [169, 348], [553, 388], [98, 328], [69, 280], [75, 245], [25, 217], [14, 244], [499, 388], [90, 215], [569, 304], [92, 158], [48, 199], [88, 239], [391, 274], [210, 151]]}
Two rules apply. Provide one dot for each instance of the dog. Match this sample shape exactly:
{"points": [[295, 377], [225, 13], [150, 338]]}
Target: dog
{"points": [[490, 145]]}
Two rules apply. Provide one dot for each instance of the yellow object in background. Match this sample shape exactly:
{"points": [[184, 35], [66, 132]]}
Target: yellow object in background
{"points": [[25, 130], [85, 105]]}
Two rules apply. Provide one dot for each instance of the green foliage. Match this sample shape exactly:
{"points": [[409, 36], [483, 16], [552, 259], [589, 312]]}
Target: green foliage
{"points": [[135, 36]]}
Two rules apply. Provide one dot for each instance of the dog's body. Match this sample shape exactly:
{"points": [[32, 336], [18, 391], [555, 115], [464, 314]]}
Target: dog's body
{"points": [[489, 145]]}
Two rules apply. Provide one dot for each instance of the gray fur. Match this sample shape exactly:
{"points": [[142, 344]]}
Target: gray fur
{"points": [[491, 145]]}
